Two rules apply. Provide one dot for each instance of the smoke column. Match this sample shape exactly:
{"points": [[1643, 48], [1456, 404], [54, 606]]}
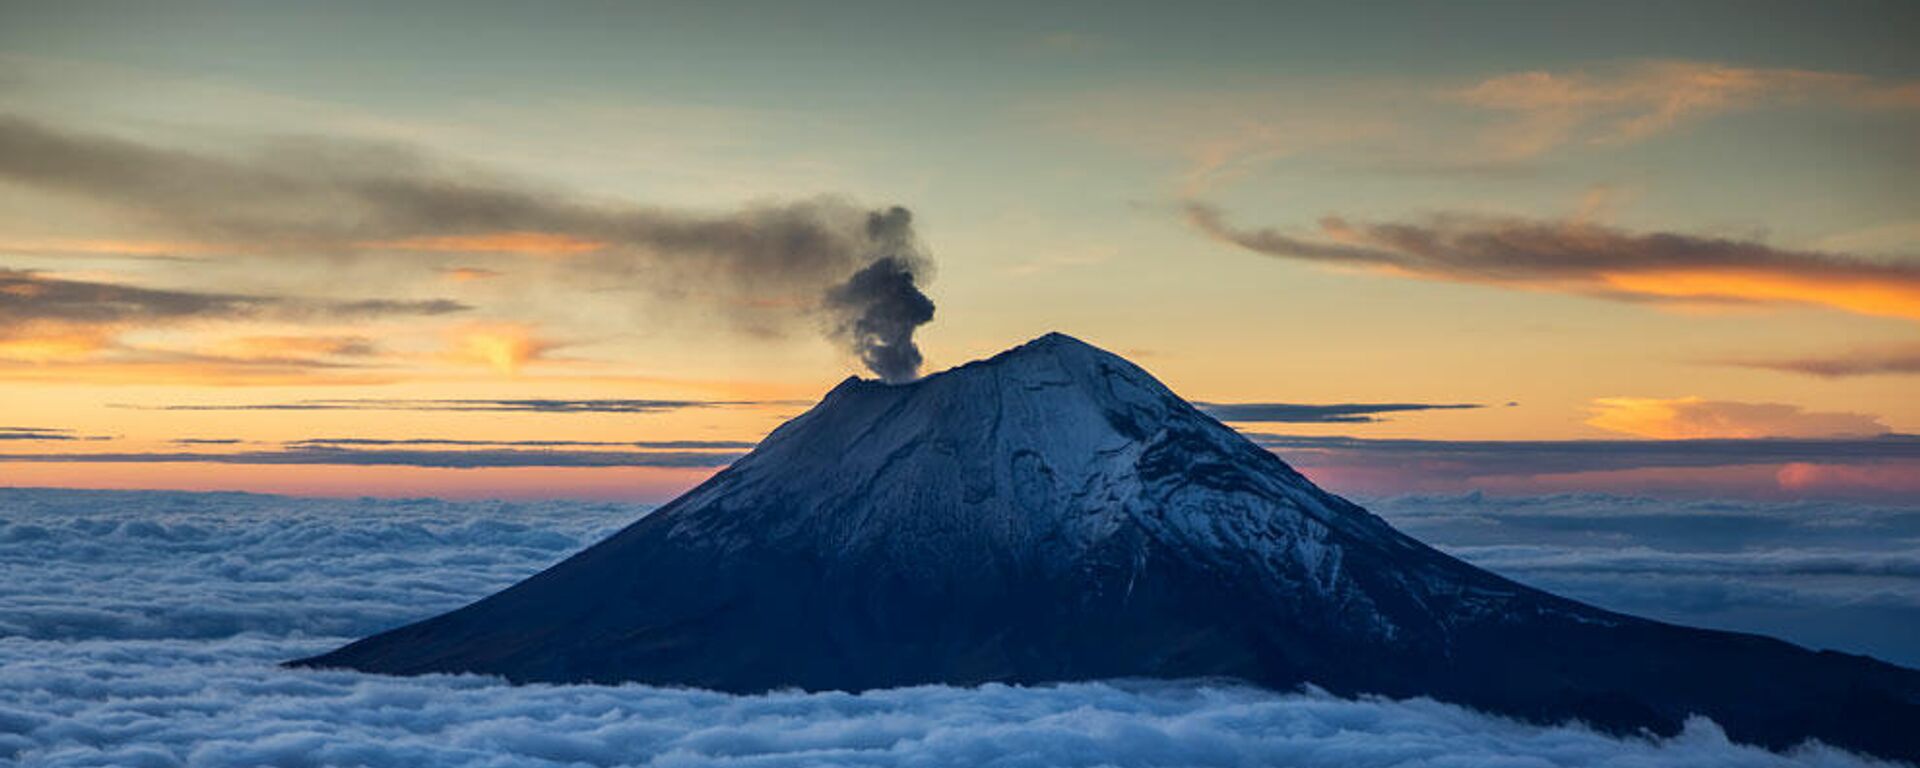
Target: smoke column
{"points": [[880, 306]]}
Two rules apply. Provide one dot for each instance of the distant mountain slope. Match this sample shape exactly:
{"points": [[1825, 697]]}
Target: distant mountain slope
{"points": [[1054, 513]]}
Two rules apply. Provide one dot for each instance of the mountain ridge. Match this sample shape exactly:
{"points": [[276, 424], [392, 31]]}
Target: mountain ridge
{"points": [[1055, 513]]}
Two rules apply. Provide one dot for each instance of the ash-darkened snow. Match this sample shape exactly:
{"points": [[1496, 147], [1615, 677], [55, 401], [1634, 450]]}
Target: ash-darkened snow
{"points": [[1055, 514]]}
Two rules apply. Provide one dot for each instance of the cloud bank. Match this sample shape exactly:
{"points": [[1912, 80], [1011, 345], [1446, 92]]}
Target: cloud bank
{"points": [[219, 705], [145, 628], [1824, 574]]}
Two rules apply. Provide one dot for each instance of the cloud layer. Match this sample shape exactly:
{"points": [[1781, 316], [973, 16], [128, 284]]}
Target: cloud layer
{"points": [[1823, 574], [144, 628], [220, 704]]}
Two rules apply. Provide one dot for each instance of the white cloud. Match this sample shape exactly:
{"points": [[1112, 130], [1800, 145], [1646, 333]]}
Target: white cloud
{"points": [[81, 564], [221, 703], [145, 629], [1824, 574]]}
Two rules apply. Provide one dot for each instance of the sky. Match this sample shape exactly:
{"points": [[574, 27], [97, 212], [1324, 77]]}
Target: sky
{"points": [[599, 249]]}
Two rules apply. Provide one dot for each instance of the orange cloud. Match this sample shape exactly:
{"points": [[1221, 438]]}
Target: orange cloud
{"points": [[1695, 418], [1858, 294], [44, 343], [1575, 256], [504, 347], [468, 274], [531, 243]]}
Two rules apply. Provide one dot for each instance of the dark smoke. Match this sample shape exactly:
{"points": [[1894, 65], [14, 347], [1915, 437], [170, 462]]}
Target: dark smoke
{"points": [[880, 306], [768, 267]]}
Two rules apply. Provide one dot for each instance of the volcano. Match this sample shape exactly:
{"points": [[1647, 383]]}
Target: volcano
{"points": [[1054, 513]]}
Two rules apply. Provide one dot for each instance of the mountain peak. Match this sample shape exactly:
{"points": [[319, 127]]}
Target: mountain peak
{"points": [[1055, 513], [1052, 347], [1056, 346]]}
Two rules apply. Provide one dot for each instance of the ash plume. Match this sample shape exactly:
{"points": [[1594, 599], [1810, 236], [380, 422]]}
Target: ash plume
{"points": [[879, 307], [766, 268]]}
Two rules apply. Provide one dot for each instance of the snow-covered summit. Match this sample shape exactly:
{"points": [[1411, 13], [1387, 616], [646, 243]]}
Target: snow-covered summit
{"points": [[1054, 444], [1055, 513]]}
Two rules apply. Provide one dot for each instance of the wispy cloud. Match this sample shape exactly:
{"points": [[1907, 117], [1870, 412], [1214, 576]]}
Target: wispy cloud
{"points": [[689, 445], [1336, 413], [46, 318], [44, 434], [1893, 360], [1498, 124], [1493, 458], [1637, 100], [1589, 259], [330, 455], [529, 405]]}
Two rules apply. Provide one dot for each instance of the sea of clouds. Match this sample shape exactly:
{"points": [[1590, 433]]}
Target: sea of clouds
{"points": [[144, 629], [1823, 574]]}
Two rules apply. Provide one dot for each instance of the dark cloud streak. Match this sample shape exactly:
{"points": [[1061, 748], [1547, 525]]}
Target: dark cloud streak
{"points": [[1865, 362], [478, 405], [1333, 413], [32, 298], [442, 459], [45, 434], [1489, 458]]}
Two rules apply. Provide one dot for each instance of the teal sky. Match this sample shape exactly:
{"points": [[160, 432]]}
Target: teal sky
{"points": [[1050, 155]]}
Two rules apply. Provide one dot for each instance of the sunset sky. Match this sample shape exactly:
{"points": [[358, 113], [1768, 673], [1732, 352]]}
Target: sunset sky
{"points": [[479, 249]]}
